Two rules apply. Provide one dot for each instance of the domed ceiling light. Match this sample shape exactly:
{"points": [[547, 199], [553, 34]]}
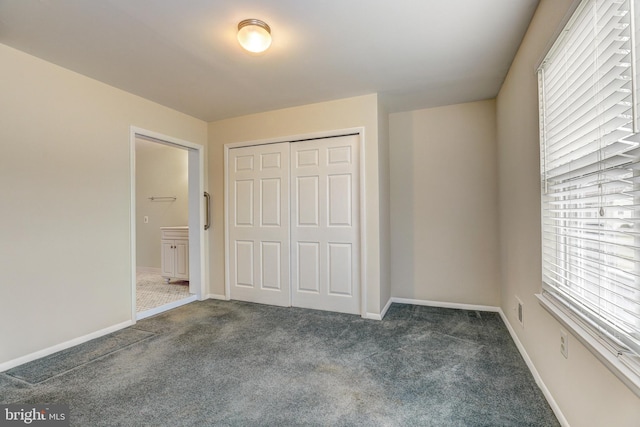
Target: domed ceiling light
{"points": [[254, 35]]}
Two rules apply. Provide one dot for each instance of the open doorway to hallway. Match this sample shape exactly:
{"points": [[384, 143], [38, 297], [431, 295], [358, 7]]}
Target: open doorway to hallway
{"points": [[167, 222], [162, 218]]}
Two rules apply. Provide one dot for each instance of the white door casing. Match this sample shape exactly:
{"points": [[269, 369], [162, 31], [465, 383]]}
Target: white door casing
{"points": [[325, 229], [197, 267], [258, 224]]}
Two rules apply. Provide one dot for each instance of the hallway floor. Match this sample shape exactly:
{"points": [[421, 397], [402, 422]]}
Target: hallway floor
{"points": [[153, 291]]}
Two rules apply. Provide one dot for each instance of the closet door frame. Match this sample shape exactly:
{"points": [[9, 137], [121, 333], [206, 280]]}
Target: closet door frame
{"points": [[362, 200]]}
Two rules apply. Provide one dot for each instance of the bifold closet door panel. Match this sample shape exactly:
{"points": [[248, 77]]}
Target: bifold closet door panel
{"points": [[325, 238], [258, 191]]}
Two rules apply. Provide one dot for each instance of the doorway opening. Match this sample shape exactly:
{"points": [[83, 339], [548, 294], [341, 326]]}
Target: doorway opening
{"points": [[166, 222]]}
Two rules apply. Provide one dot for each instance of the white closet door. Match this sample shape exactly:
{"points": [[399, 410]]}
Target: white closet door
{"points": [[259, 224], [325, 201]]}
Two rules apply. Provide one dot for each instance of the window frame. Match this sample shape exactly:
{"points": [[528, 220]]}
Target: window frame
{"points": [[624, 364]]}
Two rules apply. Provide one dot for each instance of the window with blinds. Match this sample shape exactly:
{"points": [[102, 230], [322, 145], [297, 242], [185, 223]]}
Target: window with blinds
{"points": [[590, 167]]}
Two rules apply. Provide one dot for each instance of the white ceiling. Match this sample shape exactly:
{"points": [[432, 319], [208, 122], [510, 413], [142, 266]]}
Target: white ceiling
{"points": [[183, 53]]}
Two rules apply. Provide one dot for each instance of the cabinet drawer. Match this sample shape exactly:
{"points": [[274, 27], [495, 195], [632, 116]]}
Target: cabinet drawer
{"points": [[175, 233]]}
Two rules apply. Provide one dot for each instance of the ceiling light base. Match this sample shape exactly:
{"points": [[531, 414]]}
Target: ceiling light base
{"points": [[254, 35]]}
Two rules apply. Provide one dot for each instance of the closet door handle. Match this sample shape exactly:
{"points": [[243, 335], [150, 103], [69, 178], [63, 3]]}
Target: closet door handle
{"points": [[208, 210]]}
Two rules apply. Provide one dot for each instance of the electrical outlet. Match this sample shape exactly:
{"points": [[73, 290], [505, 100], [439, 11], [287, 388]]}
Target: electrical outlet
{"points": [[564, 343], [145, 219], [520, 311]]}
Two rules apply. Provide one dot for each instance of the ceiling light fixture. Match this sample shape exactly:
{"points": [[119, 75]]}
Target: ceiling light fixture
{"points": [[254, 35]]}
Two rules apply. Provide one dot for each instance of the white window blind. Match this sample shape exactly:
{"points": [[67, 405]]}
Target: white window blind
{"points": [[590, 167]]}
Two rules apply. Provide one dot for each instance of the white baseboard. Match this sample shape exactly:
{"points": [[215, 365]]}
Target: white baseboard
{"points": [[62, 346], [446, 304], [376, 316], [386, 308], [165, 307], [216, 296], [149, 270], [547, 394]]}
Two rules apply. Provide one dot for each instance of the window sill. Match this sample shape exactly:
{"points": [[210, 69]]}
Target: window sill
{"points": [[626, 368]]}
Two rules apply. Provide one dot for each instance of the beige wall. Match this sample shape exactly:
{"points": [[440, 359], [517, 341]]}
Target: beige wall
{"points": [[341, 114], [587, 393], [444, 204], [65, 200], [161, 170], [384, 183]]}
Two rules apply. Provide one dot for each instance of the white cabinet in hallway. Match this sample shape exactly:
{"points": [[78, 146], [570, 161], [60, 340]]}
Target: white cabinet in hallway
{"points": [[175, 252]]}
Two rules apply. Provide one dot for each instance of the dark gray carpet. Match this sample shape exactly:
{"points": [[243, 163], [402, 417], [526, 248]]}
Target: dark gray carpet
{"points": [[237, 364], [71, 358]]}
